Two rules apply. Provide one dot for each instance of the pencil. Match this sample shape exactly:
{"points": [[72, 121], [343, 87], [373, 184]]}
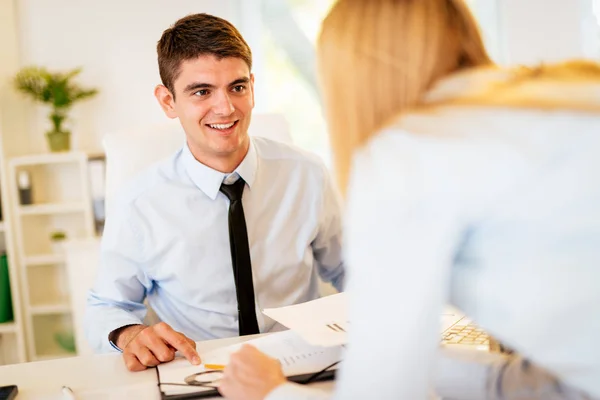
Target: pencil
{"points": [[214, 366]]}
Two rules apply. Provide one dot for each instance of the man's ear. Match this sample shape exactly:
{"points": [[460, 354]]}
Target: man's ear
{"points": [[166, 100], [252, 87]]}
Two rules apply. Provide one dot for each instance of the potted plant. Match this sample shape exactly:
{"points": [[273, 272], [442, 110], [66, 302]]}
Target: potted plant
{"points": [[58, 90], [57, 239], [66, 340]]}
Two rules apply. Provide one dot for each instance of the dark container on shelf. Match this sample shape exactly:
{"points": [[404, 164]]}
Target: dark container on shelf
{"points": [[24, 184], [6, 309]]}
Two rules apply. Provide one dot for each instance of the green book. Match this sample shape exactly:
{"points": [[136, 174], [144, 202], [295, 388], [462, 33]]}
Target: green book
{"points": [[6, 310]]}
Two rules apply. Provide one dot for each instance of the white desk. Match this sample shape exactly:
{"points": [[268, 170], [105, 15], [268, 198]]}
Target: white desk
{"points": [[93, 377], [100, 377]]}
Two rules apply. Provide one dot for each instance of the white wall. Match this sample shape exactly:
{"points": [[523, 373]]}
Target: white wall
{"points": [[542, 30], [591, 28], [12, 112], [115, 43]]}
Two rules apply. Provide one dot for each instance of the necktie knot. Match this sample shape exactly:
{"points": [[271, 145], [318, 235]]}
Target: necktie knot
{"points": [[234, 191]]}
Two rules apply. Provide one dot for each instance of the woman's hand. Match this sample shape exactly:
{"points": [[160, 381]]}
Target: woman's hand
{"points": [[250, 375]]}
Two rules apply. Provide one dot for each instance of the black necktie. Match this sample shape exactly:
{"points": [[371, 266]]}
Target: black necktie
{"points": [[240, 258]]}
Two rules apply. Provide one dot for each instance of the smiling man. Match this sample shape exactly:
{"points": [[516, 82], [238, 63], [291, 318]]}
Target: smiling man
{"points": [[227, 226]]}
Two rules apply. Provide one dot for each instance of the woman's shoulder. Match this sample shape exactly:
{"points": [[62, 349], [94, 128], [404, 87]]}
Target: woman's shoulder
{"points": [[459, 169], [432, 153], [475, 155]]}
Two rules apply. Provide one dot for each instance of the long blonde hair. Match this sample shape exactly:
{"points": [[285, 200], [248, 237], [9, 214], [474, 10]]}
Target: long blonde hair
{"points": [[377, 58]]}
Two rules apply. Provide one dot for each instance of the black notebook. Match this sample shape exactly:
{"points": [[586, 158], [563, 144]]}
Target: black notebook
{"points": [[300, 361], [200, 392]]}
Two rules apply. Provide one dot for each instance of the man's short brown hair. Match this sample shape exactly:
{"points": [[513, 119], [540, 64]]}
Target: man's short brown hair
{"points": [[197, 35]]}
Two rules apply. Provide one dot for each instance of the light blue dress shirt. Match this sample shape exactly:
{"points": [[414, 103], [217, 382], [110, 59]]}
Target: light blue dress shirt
{"points": [[167, 242]]}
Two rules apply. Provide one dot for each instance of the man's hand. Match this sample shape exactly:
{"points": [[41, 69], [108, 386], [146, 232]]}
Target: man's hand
{"points": [[250, 375], [147, 346]]}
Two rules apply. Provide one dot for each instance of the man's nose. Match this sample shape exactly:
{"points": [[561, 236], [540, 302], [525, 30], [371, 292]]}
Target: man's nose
{"points": [[223, 105]]}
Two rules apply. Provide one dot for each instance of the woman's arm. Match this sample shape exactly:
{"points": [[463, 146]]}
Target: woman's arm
{"points": [[294, 391], [476, 375], [253, 375], [403, 229]]}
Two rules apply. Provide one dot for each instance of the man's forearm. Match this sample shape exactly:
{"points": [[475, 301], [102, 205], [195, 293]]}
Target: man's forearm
{"points": [[120, 337], [102, 318], [339, 281]]}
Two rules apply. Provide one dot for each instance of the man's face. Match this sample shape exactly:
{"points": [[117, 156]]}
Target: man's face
{"points": [[214, 101]]}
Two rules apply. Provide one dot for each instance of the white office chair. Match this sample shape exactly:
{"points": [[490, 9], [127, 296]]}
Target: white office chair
{"points": [[128, 153]]}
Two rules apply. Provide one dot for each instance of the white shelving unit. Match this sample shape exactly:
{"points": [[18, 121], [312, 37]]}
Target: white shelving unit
{"points": [[47, 209], [12, 340], [44, 260], [61, 202], [50, 309], [8, 327]]}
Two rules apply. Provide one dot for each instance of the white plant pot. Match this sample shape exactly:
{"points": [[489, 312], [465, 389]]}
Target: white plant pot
{"points": [[58, 247]]}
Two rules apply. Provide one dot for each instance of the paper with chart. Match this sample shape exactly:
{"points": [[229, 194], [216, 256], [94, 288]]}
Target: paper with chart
{"points": [[321, 322], [324, 322], [295, 355]]}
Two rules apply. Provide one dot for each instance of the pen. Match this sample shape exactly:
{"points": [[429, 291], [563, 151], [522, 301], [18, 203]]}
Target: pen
{"points": [[214, 366], [68, 393]]}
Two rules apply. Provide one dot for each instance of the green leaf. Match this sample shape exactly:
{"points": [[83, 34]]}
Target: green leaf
{"points": [[56, 89]]}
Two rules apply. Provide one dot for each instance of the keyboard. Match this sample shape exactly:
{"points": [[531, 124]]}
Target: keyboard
{"points": [[467, 333]]}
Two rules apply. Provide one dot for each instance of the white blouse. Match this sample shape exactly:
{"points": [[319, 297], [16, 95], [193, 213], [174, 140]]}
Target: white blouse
{"points": [[495, 211]]}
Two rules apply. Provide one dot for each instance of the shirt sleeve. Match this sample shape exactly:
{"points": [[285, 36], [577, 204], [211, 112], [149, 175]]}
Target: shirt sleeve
{"points": [[468, 374], [519, 378], [294, 391], [327, 246], [121, 285]]}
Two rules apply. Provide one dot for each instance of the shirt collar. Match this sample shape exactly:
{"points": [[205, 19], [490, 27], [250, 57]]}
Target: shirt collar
{"points": [[209, 180]]}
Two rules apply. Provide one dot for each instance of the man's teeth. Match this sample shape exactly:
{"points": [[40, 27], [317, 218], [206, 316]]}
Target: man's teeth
{"points": [[221, 126]]}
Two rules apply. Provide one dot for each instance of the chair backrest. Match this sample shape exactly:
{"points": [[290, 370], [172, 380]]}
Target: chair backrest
{"points": [[128, 153]]}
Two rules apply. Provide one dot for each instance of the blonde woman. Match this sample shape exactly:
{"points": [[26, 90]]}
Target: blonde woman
{"points": [[465, 183]]}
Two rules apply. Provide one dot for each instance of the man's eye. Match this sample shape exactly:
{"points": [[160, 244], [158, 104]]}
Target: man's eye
{"points": [[239, 88], [201, 92]]}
